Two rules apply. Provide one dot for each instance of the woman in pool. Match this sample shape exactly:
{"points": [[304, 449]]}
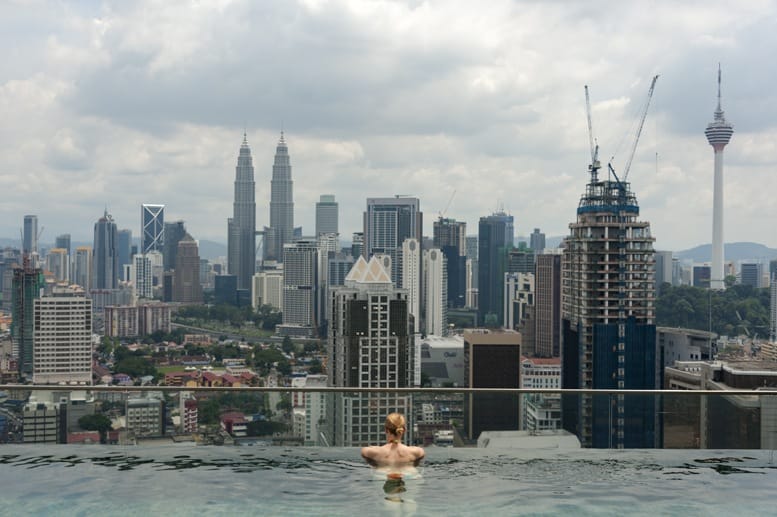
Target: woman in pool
{"points": [[394, 457]]}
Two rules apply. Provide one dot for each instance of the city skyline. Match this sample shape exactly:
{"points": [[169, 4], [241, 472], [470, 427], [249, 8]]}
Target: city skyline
{"points": [[111, 111]]}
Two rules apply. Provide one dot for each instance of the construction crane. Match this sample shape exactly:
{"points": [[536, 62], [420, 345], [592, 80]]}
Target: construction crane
{"points": [[594, 167], [639, 132], [447, 205]]}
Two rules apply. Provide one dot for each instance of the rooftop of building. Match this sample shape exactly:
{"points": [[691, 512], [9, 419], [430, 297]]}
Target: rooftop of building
{"points": [[492, 337]]}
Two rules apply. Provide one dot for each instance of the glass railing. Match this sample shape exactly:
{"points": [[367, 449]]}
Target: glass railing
{"points": [[347, 417]]}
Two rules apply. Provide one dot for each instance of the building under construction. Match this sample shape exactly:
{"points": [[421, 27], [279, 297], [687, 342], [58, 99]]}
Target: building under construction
{"points": [[27, 285], [608, 312]]}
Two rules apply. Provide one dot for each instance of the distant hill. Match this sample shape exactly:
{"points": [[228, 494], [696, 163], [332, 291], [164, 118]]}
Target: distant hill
{"points": [[208, 249], [211, 250], [733, 251]]}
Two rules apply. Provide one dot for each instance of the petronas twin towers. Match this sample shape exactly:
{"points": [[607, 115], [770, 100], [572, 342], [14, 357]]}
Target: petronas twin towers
{"points": [[241, 238]]}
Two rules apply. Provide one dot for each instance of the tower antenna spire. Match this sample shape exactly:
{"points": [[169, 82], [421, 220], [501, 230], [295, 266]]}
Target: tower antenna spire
{"points": [[719, 108]]}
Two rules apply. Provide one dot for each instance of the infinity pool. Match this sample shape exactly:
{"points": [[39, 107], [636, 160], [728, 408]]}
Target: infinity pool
{"points": [[186, 480]]}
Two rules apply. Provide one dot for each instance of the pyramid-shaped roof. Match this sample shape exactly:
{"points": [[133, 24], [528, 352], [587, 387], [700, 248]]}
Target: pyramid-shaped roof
{"points": [[363, 272]]}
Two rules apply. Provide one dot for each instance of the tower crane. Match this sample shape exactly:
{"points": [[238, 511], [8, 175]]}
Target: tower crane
{"points": [[639, 132], [594, 167], [447, 205]]}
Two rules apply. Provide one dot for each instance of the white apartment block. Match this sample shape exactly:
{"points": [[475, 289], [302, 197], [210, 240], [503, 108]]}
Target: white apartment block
{"points": [[62, 339]]}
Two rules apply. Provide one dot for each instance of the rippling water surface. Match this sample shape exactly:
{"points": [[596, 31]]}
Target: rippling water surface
{"points": [[96, 480]]}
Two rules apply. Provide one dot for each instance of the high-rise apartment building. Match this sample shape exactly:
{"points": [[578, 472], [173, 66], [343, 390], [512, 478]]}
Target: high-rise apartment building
{"points": [[152, 222], [495, 238], [411, 280], [718, 133], [547, 306], [387, 223], [186, 284], [369, 346], [435, 292], [327, 213], [519, 295], [241, 236], [105, 255], [62, 338], [450, 236], [27, 286], [608, 311], [301, 304], [174, 232], [30, 235], [143, 276], [281, 229]]}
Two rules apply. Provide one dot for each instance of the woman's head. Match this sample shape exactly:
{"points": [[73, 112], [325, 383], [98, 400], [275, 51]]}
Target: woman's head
{"points": [[395, 425]]}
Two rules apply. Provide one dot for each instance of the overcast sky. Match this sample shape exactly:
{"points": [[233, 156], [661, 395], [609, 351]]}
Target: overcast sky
{"points": [[477, 103]]}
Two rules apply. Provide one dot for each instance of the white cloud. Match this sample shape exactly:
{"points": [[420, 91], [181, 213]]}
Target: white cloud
{"points": [[125, 103]]}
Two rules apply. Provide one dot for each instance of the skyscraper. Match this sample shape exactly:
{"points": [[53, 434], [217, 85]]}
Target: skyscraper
{"points": [[301, 304], [387, 223], [125, 251], [435, 292], [152, 221], [718, 134], [187, 287], [547, 306], [450, 236], [608, 318], [105, 256], [57, 263], [327, 215], [27, 285], [241, 245], [537, 241], [82, 267], [30, 239], [411, 280], [281, 229], [495, 238], [369, 347], [174, 232], [63, 241]]}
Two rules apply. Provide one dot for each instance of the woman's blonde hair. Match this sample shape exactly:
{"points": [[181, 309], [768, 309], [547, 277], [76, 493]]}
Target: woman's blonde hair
{"points": [[395, 424]]}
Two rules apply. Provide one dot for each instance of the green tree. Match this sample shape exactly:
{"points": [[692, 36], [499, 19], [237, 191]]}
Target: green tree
{"points": [[96, 422], [287, 346], [135, 366]]}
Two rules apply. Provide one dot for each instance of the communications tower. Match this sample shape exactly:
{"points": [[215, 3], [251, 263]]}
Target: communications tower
{"points": [[718, 133]]}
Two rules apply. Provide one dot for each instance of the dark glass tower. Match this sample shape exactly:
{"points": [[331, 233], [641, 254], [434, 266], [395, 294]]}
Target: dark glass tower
{"points": [[174, 232], [105, 254], [387, 223], [27, 284], [281, 229], [451, 237], [495, 238], [241, 252]]}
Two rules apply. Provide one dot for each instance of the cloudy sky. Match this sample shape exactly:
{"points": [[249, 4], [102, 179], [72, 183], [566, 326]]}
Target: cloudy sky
{"points": [[480, 104]]}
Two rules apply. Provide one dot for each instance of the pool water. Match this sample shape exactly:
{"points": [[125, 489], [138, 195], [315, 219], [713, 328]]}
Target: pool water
{"points": [[188, 480]]}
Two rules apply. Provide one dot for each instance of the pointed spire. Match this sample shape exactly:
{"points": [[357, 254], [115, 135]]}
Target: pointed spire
{"points": [[719, 116], [282, 140], [245, 138]]}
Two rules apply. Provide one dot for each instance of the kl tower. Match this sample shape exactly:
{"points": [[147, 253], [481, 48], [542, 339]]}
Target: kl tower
{"points": [[718, 135]]}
